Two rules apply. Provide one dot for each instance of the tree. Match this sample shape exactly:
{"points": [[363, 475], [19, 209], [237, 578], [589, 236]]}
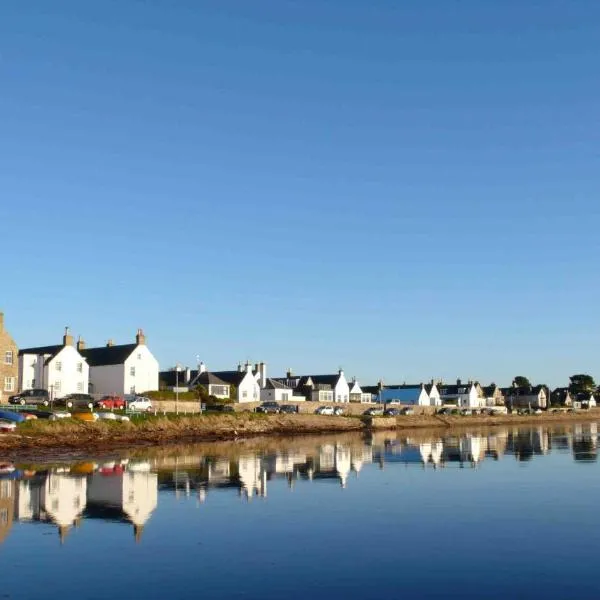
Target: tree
{"points": [[201, 393], [521, 382], [581, 383]]}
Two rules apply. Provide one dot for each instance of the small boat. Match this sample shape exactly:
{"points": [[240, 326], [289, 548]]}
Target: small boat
{"points": [[84, 416], [7, 426], [59, 415], [9, 415], [29, 416], [40, 414]]}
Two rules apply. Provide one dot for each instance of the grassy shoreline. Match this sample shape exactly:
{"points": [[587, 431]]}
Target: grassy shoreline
{"points": [[50, 437]]}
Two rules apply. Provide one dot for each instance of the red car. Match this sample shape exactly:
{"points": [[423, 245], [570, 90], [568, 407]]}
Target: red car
{"points": [[111, 402]]}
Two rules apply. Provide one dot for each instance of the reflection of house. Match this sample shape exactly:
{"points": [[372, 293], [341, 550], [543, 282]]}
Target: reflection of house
{"points": [[585, 442], [62, 500], [253, 477], [133, 493], [7, 507], [464, 395]]}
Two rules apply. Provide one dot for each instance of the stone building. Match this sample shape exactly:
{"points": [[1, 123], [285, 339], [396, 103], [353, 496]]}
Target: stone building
{"points": [[9, 363]]}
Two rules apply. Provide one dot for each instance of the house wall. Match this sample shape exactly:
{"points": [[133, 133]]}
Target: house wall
{"points": [[249, 389], [277, 395], [31, 371], [66, 373], [107, 380], [434, 396], [9, 364], [145, 377], [342, 390]]}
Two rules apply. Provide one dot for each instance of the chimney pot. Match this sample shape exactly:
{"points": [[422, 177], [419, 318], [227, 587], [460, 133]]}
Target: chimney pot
{"points": [[80, 344], [140, 338], [67, 338], [110, 343]]}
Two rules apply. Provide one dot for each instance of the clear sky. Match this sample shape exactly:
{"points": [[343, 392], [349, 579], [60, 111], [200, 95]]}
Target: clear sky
{"points": [[405, 189]]}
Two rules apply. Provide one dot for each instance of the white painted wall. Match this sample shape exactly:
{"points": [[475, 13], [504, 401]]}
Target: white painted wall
{"points": [[67, 373], [141, 371], [342, 390], [248, 389], [277, 395], [434, 396]]}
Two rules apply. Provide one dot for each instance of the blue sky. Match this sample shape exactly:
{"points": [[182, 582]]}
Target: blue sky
{"points": [[405, 189]]}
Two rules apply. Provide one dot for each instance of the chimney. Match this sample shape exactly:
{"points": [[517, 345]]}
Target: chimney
{"points": [[248, 367], [140, 338], [67, 338], [1, 322], [290, 373], [458, 382], [340, 371], [110, 343], [262, 369], [80, 344], [240, 368], [201, 368]]}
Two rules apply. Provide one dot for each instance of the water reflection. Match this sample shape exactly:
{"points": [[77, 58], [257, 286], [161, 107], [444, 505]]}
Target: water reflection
{"points": [[126, 490]]}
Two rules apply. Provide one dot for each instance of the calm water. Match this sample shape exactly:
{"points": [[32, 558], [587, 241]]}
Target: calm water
{"points": [[504, 513]]}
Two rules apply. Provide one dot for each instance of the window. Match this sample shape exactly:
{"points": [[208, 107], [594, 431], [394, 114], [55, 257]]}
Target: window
{"points": [[80, 367], [58, 366], [4, 516], [219, 390], [8, 357], [139, 356], [80, 386], [244, 394], [132, 389], [33, 383], [9, 384], [132, 371], [57, 385]]}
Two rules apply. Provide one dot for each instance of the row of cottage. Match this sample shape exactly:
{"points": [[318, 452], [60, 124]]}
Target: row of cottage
{"points": [[71, 367], [249, 383]]}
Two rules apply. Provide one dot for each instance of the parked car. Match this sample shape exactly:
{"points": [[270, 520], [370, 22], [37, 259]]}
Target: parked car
{"points": [[466, 412], [269, 408], [324, 410], [338, 410], [140, 403], [391, 412], [76, 401], [374, 411], [111, 402], [288, 409], [408, 411], [35, 396]]}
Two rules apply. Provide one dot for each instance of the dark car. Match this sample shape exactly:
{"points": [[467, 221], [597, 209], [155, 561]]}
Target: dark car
{"points": [[375, 411], [288, 409], [76, 401], [391, 412], [271, 408], [36, 396]]}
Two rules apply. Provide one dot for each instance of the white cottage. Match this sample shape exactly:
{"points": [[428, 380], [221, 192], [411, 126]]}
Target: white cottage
{"points": [[60, 369], [356, 394], [463, 395], [275, 391], [246, 384], [121, 369]]}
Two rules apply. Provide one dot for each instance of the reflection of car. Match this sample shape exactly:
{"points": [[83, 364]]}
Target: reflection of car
{"points": [[270, 408], [36, 396], [374, 411], [391, 412], [288, 409], [140, 403], [76, 400], [324, 410], [338, 410], [111, 402]]}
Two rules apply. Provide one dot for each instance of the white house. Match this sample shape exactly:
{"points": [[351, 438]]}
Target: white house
{"points": [[356, 394], [319, 388], [246, 383], [584, 400], [434, 394], [60, 369], [121, 369], [275, 391], [463, 395], [527, 397]]}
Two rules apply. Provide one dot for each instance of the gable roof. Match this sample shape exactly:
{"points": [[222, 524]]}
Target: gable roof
{"points": [[370, 389], [272, 384], [108, 355], [490, 390], [42, 350], [232, 377], [207, 378]]}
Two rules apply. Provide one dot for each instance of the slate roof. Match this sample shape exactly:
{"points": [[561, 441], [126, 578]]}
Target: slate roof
{"points": [[207, 378], [108, 355], [231, 377], [452, 390], [42, 350], [490, 390], [169, 378], [325, 379], [584, 396], [526, 391], [370, 389], [273, 384]]}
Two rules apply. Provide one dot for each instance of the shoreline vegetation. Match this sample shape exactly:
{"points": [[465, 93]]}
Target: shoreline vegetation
{"points": [[50, 438]]}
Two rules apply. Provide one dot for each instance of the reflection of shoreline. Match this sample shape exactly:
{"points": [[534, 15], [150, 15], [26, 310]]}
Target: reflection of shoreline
{"points": [[126, 490]]}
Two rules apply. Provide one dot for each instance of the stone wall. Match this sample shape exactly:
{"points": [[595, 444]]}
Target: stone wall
{"points": [[7, 344]]}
